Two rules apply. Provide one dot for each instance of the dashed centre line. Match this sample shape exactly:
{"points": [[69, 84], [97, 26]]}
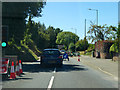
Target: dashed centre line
{"points": [[54, 70], [51, 80], [50, 83]]}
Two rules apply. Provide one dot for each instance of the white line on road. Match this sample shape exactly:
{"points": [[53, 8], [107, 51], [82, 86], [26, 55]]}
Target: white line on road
{"points": [[116, 78], [51, 80], [50, 83], [54, 70], [104, 71]]}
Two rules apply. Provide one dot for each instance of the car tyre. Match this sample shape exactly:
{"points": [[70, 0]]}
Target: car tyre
{"points": [[60, 65]]}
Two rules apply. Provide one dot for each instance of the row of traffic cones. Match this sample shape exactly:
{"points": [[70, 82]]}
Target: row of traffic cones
{"points": [[17, 71]]}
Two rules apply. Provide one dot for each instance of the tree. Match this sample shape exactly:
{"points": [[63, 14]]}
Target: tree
{"points": [[66, 38], [116, 46], [118, 37], [82, 45], [14, 15], [52, 34], [101, 32], [72, 47]]}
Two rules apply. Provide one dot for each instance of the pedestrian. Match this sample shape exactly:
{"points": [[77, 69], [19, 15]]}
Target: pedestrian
{"points": [[65, 56]]}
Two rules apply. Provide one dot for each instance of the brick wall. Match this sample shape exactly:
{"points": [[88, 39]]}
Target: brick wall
{"points": [[103, 48], [105, 55]]}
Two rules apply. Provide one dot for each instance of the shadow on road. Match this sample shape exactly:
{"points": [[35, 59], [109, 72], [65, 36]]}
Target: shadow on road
{"points": [[33, 68], [19, 78], [68, 67], [36, 68]]}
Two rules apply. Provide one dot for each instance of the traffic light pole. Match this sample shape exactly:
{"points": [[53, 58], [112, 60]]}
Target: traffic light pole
{"points": [[4, 38], [3, 52]]}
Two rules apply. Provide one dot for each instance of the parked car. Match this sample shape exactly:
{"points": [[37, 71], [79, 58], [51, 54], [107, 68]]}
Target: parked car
{"points": [[51, 56]]}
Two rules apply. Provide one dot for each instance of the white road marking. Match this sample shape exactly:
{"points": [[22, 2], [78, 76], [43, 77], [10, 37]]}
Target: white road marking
{"points": [[116, 78], [50, 83], [104, 71], [54, 70], [51, 80]]}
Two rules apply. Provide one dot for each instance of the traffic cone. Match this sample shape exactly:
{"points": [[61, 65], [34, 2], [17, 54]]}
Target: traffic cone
{"points": [[20, 67], [17, 69], [12, 72], [79, 58]]}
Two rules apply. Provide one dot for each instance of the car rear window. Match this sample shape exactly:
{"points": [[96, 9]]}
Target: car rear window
{"points": [[51, 52]]}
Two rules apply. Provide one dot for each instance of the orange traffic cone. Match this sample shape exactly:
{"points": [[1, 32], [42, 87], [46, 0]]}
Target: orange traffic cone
{"points": [[17, 69], [20, 67], [12, 73], [79, 58]]}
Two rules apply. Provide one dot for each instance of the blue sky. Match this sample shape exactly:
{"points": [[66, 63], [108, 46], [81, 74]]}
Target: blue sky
{"points": [[67, 15]]}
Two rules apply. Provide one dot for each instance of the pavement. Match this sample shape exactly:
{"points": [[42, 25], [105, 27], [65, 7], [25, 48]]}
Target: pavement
{"points": [[107, 66]]}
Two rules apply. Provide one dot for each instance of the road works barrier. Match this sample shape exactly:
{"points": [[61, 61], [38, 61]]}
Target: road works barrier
{"points": [[10, 68], [79, 58], [12, 72], [4, 66], [17, 69], [20, 65]]}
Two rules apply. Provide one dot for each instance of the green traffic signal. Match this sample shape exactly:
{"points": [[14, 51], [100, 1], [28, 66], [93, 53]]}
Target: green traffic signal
{"points": [[4, 44]]}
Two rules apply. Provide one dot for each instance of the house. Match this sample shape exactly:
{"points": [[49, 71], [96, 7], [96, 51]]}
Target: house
{"points": [[102, 49]]}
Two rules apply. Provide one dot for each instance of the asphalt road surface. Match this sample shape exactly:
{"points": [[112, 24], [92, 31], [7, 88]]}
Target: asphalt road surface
{"points": [[72, 74]]}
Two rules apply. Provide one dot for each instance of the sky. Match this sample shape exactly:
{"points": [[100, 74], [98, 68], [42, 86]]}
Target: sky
{"points": [[70, 16]]}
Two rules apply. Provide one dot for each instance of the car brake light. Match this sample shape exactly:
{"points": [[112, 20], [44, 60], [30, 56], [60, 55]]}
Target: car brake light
{"points": [[60, 57]]}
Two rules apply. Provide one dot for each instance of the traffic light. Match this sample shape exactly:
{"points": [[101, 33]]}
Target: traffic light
{"points": [[4, 36]]}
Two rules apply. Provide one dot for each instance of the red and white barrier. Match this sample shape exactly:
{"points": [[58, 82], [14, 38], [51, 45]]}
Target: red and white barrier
{"points": [[12, 72], [79, 58], [17, 69], [20, 67]]}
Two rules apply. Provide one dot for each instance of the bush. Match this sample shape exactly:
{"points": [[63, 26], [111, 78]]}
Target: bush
{"points": [[114, 48], [91, 48], [81, 45], [33, 47], [23, 52], [27, 54]]}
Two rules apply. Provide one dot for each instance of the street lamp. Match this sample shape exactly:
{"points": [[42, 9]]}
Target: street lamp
{"points": [[96, 14], [85, 29]]}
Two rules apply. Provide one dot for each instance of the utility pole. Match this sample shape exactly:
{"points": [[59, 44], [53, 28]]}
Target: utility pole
{"points": [[85, 34], [85, 28]]}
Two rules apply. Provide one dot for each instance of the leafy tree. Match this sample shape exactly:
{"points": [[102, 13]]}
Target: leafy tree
{"points": [[101, 33], [52, 33], [72, 47], [91, 47], [42, 37], [66, 38], [82, 45], [14, 15], [114, 48], [118, 37]]}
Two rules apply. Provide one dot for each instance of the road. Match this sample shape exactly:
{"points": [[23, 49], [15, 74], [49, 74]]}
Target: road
{"points": [[72, 74]]}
